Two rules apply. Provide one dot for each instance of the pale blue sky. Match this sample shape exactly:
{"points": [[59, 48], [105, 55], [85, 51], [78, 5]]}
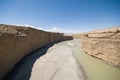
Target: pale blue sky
{"points": [[73, 15]]}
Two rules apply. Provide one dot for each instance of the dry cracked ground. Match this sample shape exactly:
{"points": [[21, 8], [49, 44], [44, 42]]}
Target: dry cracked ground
{"points": [[58, 63]]}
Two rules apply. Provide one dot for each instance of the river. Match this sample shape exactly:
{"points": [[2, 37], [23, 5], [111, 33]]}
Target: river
{"points": [[59, 60], [94, 68]]}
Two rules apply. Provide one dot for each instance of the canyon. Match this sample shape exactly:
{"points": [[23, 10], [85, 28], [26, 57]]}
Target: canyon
{"points": [[26, 52]]}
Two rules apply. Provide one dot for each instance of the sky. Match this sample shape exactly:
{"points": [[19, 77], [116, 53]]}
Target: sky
{"points": [[63, 15]]}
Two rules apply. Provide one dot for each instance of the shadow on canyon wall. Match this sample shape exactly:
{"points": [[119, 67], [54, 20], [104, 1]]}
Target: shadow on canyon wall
{"points": [[23, 69]]}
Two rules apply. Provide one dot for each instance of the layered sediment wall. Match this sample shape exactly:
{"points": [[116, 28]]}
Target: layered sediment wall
{"points": [[16, 42], [103, 44]]}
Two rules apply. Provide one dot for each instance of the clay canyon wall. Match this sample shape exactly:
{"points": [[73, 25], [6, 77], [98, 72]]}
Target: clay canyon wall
{"points": [[16, 42], [103, 44]]}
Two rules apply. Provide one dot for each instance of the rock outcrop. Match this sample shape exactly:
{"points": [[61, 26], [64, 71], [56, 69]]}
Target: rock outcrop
{"points": [[16, 42], [104, 44]]}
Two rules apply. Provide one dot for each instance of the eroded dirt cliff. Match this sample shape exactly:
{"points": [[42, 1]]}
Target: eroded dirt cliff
{"points": [[16, 42], [103, 44]]}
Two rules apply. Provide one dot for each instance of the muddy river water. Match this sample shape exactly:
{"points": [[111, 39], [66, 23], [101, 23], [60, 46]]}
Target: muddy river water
{"points": [[94, 68]]}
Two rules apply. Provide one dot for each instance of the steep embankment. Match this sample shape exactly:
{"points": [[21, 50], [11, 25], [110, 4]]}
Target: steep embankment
{"points": [[103, 44], [16, 42]]}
